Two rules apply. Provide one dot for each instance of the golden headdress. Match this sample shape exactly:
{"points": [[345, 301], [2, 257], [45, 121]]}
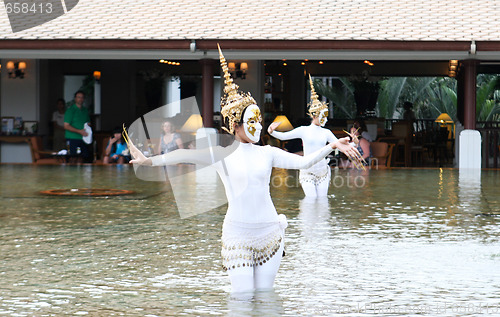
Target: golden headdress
{"points": [[233, 102], [315, 106]]}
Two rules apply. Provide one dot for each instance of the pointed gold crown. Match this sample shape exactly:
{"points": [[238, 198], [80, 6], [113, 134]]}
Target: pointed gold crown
{"points": [[233, 102], [315, 106]]}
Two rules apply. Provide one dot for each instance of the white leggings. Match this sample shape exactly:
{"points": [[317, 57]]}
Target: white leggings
{"points": [[319, 190], [260, 277]]}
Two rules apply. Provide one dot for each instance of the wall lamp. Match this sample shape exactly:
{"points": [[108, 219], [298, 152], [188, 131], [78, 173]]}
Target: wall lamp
{"points": [[453, 68], [238, 70], [97, 75], [16, 69]]}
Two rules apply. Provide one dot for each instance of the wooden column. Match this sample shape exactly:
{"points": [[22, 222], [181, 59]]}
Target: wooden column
{"points": [[207, 92], [460, 97], [469, 67]]}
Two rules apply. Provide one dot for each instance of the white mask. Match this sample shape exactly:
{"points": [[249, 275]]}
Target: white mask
{"points": [[323, 117], [251, 123]]}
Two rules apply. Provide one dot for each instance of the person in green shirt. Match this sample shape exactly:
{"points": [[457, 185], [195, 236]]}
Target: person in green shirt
{"points": [[74, 120]]}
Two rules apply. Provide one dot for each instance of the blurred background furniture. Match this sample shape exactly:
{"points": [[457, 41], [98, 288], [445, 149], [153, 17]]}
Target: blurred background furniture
{"points": [[402, 130], [40, 156], [381, 154]]}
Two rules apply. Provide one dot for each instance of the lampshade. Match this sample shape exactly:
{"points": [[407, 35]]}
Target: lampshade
{"points": [[22, 65], [444, 118], [10, 65], [231, 66], [192, 124], [97, 74], [285, 123], [244, 66]]}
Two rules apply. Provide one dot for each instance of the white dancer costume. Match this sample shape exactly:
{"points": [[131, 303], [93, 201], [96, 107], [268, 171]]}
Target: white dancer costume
{"points": [[253, 232], [314, 180]]}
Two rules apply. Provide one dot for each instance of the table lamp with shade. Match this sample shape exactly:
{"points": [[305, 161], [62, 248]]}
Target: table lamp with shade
{"points": [[445, 120], [285, 123], [193, 123], [283, 127]]}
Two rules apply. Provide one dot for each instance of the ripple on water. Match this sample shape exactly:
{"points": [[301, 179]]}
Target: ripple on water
{"points": [[406, 241]]}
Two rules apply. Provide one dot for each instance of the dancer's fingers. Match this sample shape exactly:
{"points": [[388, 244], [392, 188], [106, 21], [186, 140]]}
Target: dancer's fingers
{"points": [[125, 135]]}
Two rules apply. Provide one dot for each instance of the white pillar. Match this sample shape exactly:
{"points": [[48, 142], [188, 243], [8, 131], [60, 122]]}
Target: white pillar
{"points": [[470, 149]]}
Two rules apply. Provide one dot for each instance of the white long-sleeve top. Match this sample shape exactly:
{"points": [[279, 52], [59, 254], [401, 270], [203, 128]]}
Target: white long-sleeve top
{"points": [[313, 137], [245, 170]]}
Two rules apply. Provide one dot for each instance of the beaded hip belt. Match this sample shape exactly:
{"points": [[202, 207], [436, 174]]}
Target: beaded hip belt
{"points": [[315, 177], [244, 247]]}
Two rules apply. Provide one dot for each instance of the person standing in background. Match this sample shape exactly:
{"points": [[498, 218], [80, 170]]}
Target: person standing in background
{"points": [[58, 139], [74, 120], [408, 113]]}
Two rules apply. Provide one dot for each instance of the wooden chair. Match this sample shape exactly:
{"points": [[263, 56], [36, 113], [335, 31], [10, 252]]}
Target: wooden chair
{"points": [[381, 154], [403, 131], [101, 144], [417, 148], [38, 155]]}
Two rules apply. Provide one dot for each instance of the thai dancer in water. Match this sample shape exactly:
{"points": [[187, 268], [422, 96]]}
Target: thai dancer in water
{"points": [[315, 179], [252, 232]]}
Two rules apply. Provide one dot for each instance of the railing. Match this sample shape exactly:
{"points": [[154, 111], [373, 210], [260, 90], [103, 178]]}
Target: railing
{"points": [[490, 136], [419, 125]]}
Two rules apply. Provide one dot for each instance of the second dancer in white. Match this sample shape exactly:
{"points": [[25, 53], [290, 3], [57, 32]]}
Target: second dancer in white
{"points": [[314, 180]]}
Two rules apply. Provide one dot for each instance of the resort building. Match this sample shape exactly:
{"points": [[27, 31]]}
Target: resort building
{"points": [[144, 54]]}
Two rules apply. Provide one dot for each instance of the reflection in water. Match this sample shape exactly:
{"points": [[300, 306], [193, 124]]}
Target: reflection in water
{"points": [[314, 215], [469, 188], [259, 304], [388, 243]]}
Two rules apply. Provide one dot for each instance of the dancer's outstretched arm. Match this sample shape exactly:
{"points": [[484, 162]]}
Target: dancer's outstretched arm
{"points": [[330, 136], [293, 134], [205, 156], [283, 159]]}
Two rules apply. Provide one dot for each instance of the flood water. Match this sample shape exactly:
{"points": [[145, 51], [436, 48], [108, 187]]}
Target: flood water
{"points": [[385, 242]]}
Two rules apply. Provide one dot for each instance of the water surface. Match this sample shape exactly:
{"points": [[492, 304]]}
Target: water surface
{"points": [[392, 242]]}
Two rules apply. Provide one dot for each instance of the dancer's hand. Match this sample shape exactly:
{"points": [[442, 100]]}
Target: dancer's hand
{"points": [[354, 136], [350, 151], [273, 127], [137, 155]]}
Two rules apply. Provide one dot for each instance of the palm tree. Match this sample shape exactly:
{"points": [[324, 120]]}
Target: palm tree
{"points": [[389, 96], [341, 95], [439, 97], [430, 96], [487, 98]]}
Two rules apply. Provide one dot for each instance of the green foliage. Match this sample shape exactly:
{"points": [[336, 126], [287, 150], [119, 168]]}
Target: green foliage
{"points": [[430, 96], [341, 95], [389, 96], [439, 97], [487, 101]]}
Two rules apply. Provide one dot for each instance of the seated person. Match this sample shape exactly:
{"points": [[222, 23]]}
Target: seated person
{"points": [[116, 150], [170, 140]]}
